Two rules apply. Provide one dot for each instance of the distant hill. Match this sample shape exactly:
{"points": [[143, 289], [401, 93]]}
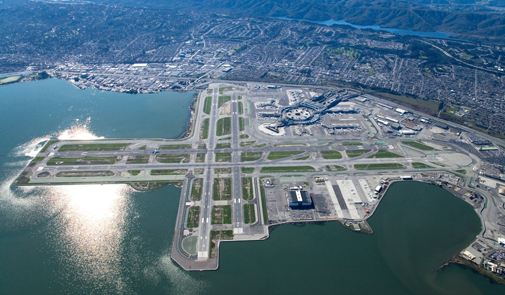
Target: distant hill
{"points": [[473, 22]]}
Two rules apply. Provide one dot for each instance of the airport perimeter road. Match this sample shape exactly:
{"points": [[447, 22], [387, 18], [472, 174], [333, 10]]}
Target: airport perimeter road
{"points": [[237, 218]]}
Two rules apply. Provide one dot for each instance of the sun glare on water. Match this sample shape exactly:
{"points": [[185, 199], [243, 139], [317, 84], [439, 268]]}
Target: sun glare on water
{"points": [[94, 228], [78, 131]]}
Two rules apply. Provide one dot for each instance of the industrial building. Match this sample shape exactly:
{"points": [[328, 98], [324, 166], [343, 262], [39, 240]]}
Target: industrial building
{"points": [[299, 199]]}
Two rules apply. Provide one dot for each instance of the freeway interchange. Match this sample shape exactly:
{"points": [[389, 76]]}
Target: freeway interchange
{"points": [[249, 146]]}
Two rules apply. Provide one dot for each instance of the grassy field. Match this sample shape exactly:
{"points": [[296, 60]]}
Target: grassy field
{"points": [[134, 172], [83, 161], [247, 188], [280, 155], [241, 125], [204, 132], [462, 171], [248, 157], [223, 157], [223, 89], [331, 155], [379, 166], [137, 160], [196, 189], [193, 217], [244, 136], [352, 143], [143, 148], [47, 145], [247, 143], [222, 189], [218, 235], [302, 158], [350, 52], [289, 144], [261, 145], [84, 173], [222, 170], [207, 104], [249, 214], [172, 158], [418, 145], [93, 147], [356, 153], [175, 147], [169, 172], [221, 214], [247, 169], [384, 154], [223, 145], [420, 165], [223, 126], [200, 158], [264, 205], [222, 100], [287, 169], [10, 79], [240, 108], [36, 160], [335, 168]]}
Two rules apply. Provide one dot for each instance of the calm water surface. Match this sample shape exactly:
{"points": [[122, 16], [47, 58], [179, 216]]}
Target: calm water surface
{"points": [[438, 35], [112, 240]]}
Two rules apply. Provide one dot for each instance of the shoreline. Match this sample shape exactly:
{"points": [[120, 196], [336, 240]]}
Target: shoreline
{"points": [[461, 262], [190, 134]]}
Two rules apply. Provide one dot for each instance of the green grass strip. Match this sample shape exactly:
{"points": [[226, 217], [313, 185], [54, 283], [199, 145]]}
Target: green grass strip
{"points": [[356, 153], [249, 214], [420, 165], [222, 100], [249, 157], [264, 205], [280, 155], [379, 166], [247, 188], [331, 155], [384, 154], [205, 129], [287, 169], [419, 145], [193, 217], [223, 126], [47, 145], [93, 147], [207, 104]]}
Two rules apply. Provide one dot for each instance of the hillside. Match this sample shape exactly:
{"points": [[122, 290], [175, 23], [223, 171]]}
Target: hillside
{"points": [[407, 14]]}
